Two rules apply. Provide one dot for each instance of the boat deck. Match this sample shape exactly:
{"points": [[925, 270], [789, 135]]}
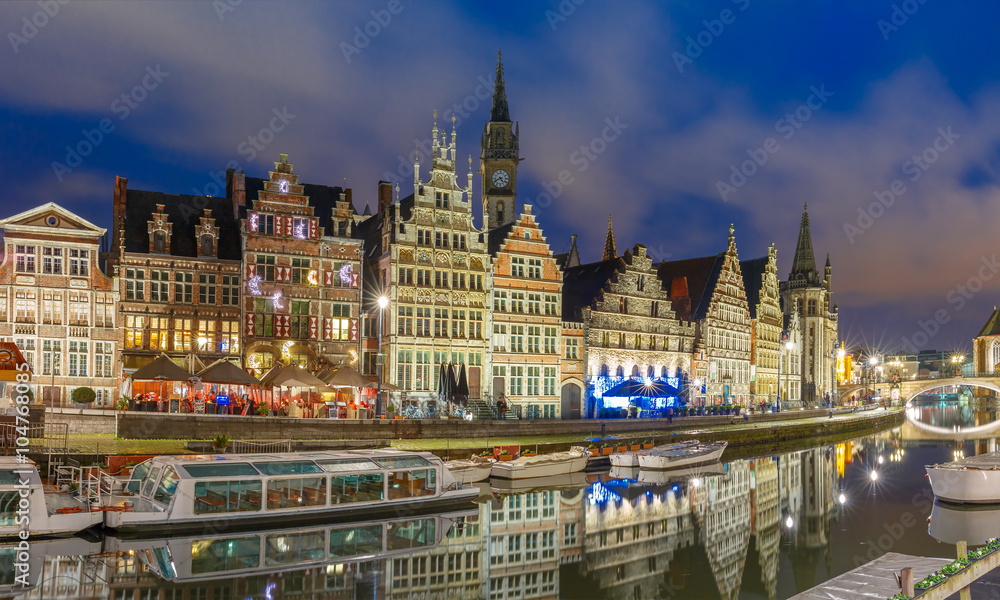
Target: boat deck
{"points": [[983, 462]]}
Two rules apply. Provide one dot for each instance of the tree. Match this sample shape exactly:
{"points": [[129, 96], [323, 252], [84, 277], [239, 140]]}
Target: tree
{"points": [[83, 395]]}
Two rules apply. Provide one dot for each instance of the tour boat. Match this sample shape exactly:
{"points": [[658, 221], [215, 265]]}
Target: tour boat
{"points": [[631, 457], [212, 556], [230, 491], [974, 480], [682, 457], [26, 504], [973, 524], [542, 465], [470, 470]]}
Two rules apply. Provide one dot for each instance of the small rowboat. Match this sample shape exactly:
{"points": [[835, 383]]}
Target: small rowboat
{"points": [[544, 465], [631, 458], [972, 480], [673, 458]]}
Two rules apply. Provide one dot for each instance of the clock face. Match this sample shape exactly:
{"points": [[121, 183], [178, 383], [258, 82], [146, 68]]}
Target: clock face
{"points": [[500, 178]]}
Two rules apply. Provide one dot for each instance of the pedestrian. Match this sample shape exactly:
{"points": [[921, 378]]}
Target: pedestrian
{"points": [[670, 415]]}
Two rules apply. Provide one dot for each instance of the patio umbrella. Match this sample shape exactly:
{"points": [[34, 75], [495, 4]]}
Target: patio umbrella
{"points": [[292, 376], [345, 376], [463, 384], [452, 383], [442, 385], [223, 371], [162, 368]]}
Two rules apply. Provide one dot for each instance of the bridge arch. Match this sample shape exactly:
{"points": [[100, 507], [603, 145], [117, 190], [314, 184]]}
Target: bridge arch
{"points": [[931, 384]]}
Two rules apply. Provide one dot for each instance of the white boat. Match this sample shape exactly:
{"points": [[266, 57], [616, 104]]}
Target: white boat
{"points": [[26, 504], [201, 557], [542, 465], [179, 493], [974, 524], [631, 457], [624, 472], [564, 482], [470, 470], [681, 457], [681, 474], [975, 480]]}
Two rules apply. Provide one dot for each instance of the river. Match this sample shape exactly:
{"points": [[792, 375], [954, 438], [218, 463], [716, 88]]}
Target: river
{"points": [[762, 528]]}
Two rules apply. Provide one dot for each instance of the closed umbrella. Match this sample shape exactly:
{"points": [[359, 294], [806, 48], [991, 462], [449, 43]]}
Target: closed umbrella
{"points": [[463, 384], [452, 383]]}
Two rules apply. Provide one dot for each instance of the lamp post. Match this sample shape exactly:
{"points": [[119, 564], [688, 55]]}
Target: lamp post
{"points": [[872, 361], [956, 362], [789, 346], [382, 303], [839, 355]]}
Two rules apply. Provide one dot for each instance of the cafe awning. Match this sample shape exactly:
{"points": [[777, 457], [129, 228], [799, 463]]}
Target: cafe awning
{"points": [[345, 376], [161, 369], [642, 389], [291, 376], [223, 371]]}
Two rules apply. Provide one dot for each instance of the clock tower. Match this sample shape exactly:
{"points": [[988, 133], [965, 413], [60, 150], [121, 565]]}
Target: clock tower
{"points": [[499, 158]]}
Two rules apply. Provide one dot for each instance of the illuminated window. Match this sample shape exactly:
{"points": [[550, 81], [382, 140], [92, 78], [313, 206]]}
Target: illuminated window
{"points": [[133, 331], [159, 333], [24, 259], [183, 330], [229, 339]]}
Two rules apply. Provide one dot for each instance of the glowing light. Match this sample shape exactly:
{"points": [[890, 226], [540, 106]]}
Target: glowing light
{"points": [[842, 499], [276, 299], [873, 361], [647, 382], [286, 349], [345, 273], [874, 475], [283, 186], [300, 231], [313, 277], [202, 342], [695, 482], [253, 362], [253, 284], [789, 522], [881, 460], [383, 302], [253, 222], [697, 382], [354, 356]]}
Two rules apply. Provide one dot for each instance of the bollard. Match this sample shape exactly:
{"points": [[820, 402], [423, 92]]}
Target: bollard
{"points": [[906, 581]]}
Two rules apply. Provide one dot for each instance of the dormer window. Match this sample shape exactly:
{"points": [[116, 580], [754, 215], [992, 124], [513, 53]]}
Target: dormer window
{"points": [[159, 241], [207, 245]]}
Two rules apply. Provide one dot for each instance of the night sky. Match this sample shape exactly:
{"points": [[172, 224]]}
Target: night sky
{"points": [[832, 99]]}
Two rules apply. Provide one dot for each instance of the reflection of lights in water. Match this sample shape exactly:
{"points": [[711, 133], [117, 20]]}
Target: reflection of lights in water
{"points": [[880, 460], [873, 475], [789, 522], [842, 499]]}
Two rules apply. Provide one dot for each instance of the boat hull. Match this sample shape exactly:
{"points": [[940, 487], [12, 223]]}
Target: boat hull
{"points": [[965, 486], [470, 473], [126, 525], [625, 459], [530, 468], [661, 461]]}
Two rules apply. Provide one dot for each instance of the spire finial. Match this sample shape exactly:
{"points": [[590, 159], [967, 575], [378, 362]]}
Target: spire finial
{"points": [[500, 111], [610, 251]]}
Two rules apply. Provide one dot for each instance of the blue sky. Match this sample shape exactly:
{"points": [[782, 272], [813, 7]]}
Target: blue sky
{"points": [[896, 79]]}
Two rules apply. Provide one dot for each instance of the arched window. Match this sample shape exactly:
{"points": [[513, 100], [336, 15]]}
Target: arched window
{"points": [[604, 370], [159, 241], [635, 370], [651, 372], [620, 371], [994, 355], [664, 371], [207, 246]]}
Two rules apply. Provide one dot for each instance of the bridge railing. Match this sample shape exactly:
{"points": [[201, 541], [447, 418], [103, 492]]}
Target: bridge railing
{"points": [[983, 374]]}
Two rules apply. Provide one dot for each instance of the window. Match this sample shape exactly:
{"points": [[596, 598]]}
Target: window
{"points": [[533, 388], [300, 227], [230, 290], [159, 241], [423, 277], [534, 268], [517, 302], [549, 383], [52, 261], [534, 304], [296, 492], [206, 335], [3, 304], [404, 325], [499, 301], [517, 267], [654, 309], [52, 308], [343, 273], [572, 348], [458, 323], [103, 359], [534, 335], [27, 348], [423, 370], [226, 496], [159, 333], [551, 305], [159, 286], [405, 276], [423, 320], [265, 267], [206, 288], [184, 288], [25, 306], [623, 305], [440, 322], [51, 357], [135, 284], [267, 224], [183, 330], [300, 270], [404, 368], [133, 331], [517, 338], [229, 337], [476, 324], [299, 310], [24, 259], [499, 337], [77, 359], [207, 245], [515, 385]]}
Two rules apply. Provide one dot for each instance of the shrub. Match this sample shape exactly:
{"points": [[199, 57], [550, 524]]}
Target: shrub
{"points": [[83, 395], [122, 403], [221, 441], [263, 410]]}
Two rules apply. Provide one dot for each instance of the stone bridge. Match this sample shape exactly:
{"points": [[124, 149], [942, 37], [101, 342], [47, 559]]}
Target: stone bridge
{"points": [[911, 388]]}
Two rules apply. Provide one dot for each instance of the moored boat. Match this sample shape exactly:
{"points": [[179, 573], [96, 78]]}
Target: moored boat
{"points": [[470, 470], [631, 457], [25, 503], [542, 465], [681, 457], [973, 524], [974, 480], [179, 493], [680, 474], [566, 481]]}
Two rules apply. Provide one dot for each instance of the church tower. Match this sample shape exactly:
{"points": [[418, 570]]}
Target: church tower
{"points": [[499, 158]]}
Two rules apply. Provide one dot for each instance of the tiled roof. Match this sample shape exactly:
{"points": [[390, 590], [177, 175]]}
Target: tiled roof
{"points": [[753, 276], [701, 274], [185, 213], [992, 326], [582, 285]]}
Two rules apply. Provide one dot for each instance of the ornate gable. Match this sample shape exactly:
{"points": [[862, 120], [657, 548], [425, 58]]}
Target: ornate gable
{"points": [[51, 218]]}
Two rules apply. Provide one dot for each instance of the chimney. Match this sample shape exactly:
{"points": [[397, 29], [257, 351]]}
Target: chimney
{"points": [[384, 195], [118, 221], [236, 189]]}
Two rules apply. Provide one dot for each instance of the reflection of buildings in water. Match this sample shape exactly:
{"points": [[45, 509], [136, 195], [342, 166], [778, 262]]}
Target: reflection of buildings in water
{"points": [[454, 569], [812, 526], [722, 505], [630, 539], [765, 518]]}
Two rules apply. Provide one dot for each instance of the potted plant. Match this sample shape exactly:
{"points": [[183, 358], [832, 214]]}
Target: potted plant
{"points": [[390, 411], [122, 403], [263, 410], [607, 449], [126, 469], [593, 450], [505, 455], [83, 396], [647, 444], [221, 442], [635, 446], [528, 452]]}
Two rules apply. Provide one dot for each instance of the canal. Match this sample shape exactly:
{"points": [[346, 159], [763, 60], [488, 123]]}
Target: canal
{"points": [[762, 528]]}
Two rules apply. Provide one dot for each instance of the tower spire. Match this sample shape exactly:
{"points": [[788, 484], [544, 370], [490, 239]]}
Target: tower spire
{"points": [[610, 251], [500, 112], [804, 263]]}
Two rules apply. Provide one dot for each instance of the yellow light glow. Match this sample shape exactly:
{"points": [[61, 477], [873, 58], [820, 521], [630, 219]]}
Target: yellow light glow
{"points": [[286, 350], [313, 277], [354, 356]]}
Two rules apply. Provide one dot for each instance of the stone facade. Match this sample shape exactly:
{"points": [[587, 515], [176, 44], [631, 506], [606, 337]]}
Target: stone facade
{"points": [[57, 306], [818, 317], [527, 319], [760, 277], [302, 272], [428, 258], [178, 269]]}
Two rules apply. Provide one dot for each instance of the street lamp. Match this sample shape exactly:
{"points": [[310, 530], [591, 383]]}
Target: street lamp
{"points": [[382, 303], [838, 360], [789, 346], [956, 361], [872, 361]]}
